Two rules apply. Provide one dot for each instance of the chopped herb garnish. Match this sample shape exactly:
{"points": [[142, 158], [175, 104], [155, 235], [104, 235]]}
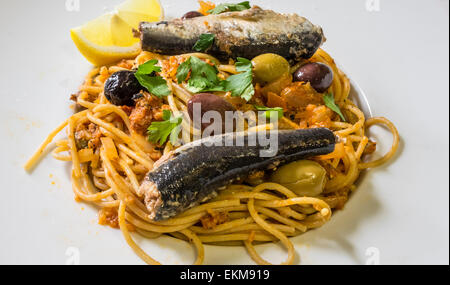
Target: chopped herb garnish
{"points": [[146, 75], [241, 85], [203, 76], [159, 132], [227, 7], [156, 85], [243, 64], [183, 70], [149, 67], [204, 42], [330, 103], [276, 112]]}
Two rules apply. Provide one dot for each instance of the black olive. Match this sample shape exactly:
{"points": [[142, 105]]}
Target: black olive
{"points": [[121, 87], [318, 74], [209, 102], [192, 14]]}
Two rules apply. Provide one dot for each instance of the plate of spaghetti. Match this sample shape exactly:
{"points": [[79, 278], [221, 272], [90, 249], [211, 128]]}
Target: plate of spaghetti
{"points": [[229, 126]]}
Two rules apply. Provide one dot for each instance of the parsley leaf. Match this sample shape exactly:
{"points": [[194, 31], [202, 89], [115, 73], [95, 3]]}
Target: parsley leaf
{"points": [[183, 70], [167, 115], [277, 112], [156, 85], [149, 67], [330, 103], [227, 7], [203, 76], [159, 132], [202, 70], [204, 42], [241, 85], [243, 64]]}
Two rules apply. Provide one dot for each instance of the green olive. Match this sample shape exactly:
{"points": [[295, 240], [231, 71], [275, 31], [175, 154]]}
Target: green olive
{"points": [[305, 177], [269, 67]]}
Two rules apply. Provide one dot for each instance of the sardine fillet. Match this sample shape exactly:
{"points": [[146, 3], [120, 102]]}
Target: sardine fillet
{"points": [[196, 171], [238, 34]]}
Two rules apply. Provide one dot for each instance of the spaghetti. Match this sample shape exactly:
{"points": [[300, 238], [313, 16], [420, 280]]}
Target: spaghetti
{"points": [[109, 173]]}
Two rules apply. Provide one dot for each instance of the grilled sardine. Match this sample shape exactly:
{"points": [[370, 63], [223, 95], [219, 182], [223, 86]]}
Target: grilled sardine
{"points": [[194, 173], [237, 34]]}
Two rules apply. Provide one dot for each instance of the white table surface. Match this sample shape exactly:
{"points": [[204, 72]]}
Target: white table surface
{"points": [[399, 56]]}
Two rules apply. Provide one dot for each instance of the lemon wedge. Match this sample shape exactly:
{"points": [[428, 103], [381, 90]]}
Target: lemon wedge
{"points": [[109, 38]]}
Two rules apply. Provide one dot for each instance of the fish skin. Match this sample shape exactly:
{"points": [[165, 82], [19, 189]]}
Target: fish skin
{"points": [[195, 172], [245, 34]]}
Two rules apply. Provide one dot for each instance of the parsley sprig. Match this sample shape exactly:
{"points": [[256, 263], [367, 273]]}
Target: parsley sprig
{"points": [[330, 103], [241, 85], [159, 132], [146, 75], [204, 78], [204, 42], [228, 7]]}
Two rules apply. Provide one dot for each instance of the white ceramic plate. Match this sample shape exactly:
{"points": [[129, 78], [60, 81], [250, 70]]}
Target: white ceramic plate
{"points": [[399, 215]]}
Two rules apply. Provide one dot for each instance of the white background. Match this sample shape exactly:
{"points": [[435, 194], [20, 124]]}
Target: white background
{"points": [[398, 55]]}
